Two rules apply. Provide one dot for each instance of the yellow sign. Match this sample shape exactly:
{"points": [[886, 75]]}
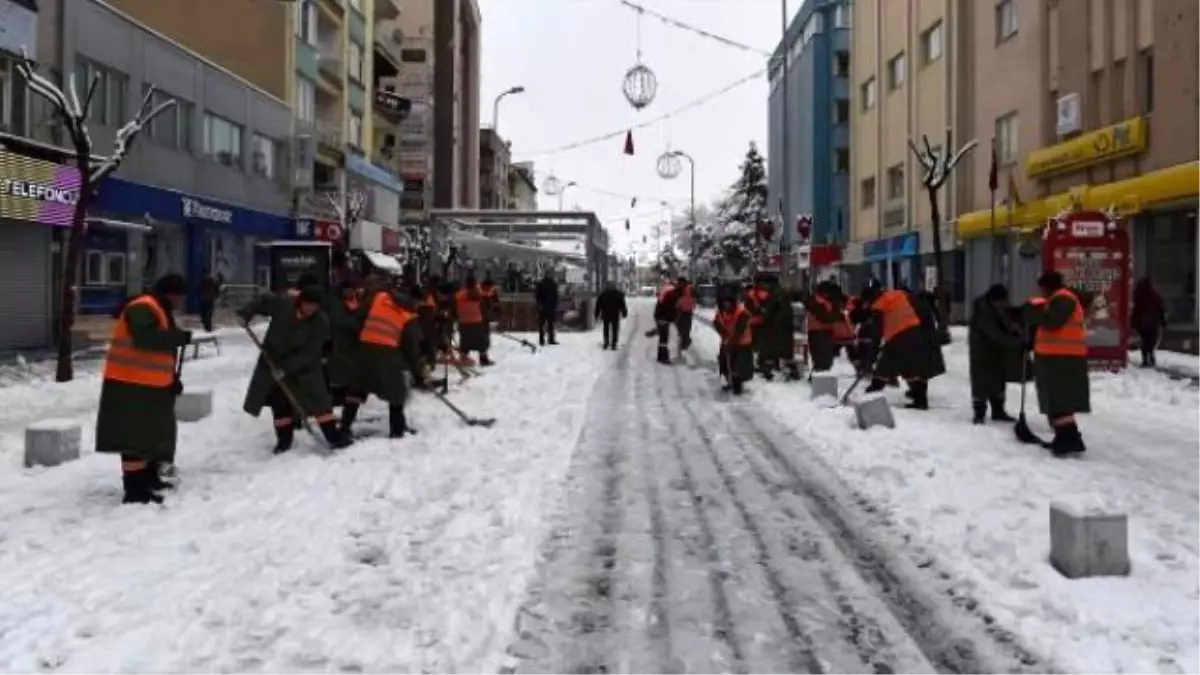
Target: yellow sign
{"points": [[1094, 147]]}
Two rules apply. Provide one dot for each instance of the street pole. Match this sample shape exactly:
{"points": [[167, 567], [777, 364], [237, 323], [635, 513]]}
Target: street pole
{"points": [[785, 178], [496, 106], [563, 192]]}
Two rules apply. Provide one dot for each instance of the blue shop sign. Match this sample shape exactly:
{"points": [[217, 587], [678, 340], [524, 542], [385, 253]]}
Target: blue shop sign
{"points": [[358, 165], [135, 201], [900, 246]]}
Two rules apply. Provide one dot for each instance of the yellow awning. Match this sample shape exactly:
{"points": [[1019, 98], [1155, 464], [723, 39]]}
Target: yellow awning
{"points": [[1126, 197]]}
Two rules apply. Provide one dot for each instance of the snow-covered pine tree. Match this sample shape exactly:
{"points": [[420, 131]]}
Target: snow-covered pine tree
{"points": [[740, 213], [73, 112]]}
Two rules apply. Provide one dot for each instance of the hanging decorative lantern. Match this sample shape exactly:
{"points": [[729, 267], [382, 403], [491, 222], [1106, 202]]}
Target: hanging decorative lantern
{"points": [[804, 224], [640, 86], [669, 165], [766, 230], [626, 224], [552, 185]]}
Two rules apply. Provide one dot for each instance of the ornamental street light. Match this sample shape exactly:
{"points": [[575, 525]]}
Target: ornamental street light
{"points": [[691, 208], [562, 191], [496, 106]]}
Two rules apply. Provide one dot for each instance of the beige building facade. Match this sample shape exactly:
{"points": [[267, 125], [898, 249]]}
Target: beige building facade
{"points": [[901, 88]]}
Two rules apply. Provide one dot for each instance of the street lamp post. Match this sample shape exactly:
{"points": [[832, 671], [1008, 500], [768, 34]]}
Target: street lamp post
{"points": [[691, 210], [496, 106], [562, 192]]}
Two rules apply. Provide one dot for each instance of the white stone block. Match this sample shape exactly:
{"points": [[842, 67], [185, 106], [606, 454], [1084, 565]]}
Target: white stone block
{"points": [[1087, 540], [874, 411], [824, 384], [52, 442], [194, 405]]}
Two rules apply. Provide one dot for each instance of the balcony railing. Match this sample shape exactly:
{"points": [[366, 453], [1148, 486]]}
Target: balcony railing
{"points": [[329, 134], [329, 61]]}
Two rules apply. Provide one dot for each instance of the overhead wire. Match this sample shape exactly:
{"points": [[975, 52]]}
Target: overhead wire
{"points": [[676, 23]]}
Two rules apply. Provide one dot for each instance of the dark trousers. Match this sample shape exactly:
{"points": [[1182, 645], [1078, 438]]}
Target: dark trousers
{"points": [[1149, 341], [206, 315], [281, 406], [684, 325], [612, 331], [545, 327], [664, 341]]}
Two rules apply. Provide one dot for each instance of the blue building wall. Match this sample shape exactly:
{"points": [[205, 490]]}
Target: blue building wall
{"points": [[817, 33]]}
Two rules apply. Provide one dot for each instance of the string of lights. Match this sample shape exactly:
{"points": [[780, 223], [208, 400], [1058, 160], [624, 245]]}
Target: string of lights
{"points": [[633, 199], [676, 23], [695, 103]]}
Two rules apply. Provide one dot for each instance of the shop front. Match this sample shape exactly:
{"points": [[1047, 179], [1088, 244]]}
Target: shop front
{"points": [[894, 260], [194, 236], [37, 201]]}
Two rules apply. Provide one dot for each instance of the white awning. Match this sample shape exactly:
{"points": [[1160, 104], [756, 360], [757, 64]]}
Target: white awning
{"points": [[480, 246], [384, 262]]}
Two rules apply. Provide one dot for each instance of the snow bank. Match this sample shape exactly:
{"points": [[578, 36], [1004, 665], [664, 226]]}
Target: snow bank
{"points": [[393, 556], [976, 502]]}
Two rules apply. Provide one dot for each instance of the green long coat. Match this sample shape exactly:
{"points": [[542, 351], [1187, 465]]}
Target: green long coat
{"points": [[821, 345], [137, 420], [739, 357], [345, 363], [296, 347], [768, 335], [1062, 381], [996, 351], [384, 368]]}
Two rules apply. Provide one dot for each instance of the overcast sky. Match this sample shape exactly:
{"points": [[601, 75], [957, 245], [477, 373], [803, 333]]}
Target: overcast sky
{"points": [[571, 55]]}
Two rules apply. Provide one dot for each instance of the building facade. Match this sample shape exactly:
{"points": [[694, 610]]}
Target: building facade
{"points": [[902, 88], [456, 53], [1111, 125], [494, 161], [817, 154], [522, 187]]}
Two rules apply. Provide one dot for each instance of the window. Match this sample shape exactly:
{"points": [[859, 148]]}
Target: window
{"points": [[1145, 81], [841, 160], [222, 141], [356, 129], [841, 64], [867, 92], [1118, 90], [356, 4], [1006, 20], [841, 111], [108, 103], [266, 157], [173, 126], [1006, 139], [1095, 99], [306, 100], [841, 16], [412, 55], [104, 268], [867, 189], [931, 43], [896, 71], [306, 21], [5, 95], [354, 56], [895, 186]]}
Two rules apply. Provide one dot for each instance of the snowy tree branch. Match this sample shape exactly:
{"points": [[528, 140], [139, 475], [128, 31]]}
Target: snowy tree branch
{"points": [[127, 133], [938, 165]]}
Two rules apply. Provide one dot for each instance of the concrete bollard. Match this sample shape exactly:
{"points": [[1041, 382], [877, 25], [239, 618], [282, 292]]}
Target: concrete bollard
{"points": [[874, 411], [1088, 541], [194, 405], [52, 442], [823, 384]]}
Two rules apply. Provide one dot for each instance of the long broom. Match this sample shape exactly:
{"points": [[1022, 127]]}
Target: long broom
{"points": [[1021, 429]]}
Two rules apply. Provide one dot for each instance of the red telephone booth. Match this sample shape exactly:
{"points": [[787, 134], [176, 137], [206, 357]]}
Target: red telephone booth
{"points": [[1091, 251]]}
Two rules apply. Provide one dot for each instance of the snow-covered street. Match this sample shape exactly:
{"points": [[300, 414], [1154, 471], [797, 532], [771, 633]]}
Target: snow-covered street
{"points": [[621, 516]]}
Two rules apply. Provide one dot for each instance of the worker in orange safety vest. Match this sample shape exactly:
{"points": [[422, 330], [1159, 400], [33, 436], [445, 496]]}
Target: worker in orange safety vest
{"points": [[1060, 361], [909, 344]]}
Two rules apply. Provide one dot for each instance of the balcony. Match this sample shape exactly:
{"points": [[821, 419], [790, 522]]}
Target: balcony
{"points": [[387, 43], [391, 106], [329, 62], [329, 135], [334, 9], [387, 10]]}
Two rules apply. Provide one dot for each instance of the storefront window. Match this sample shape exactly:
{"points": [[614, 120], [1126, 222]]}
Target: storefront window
{"points": [[104, 268], [1171, 262], [94, 265]]}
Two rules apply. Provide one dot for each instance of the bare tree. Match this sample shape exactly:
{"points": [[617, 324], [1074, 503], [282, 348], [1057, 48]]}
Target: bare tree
{"points": [[349, 213], [92, 172], [938, 166]]}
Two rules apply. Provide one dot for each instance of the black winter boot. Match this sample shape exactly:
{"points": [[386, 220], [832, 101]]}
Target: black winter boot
{"points": [[980, 410], [398, 422], [336, 439], [1067, 441], [739, 387], [920, 396], [484, 360], [138, 488], [664, 355], [793, 372], [349, 414], [284, 437], [877, 384], [999, 414]]}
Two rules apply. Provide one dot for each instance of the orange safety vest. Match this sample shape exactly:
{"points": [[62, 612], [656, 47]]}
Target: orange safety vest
{"points": [[843, 331], [687, 300], [430, 302], [815, 324], [491, 294], [1068, 340], [127, 363], [384, 325], [662, 295], [469, 310], [729, 320], [756, 298], [898, 313]]}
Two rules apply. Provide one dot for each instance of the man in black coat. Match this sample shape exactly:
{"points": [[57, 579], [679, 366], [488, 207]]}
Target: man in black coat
{"points": [[996, 350], [610, 309], [546, 298]]}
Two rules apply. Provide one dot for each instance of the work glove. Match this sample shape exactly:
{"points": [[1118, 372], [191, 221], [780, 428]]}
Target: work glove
{"points": [[177, 388], [277, 374]]}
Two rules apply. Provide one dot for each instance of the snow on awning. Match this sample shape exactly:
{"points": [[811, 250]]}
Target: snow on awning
{"points": [[480, 246], [384, 262]]}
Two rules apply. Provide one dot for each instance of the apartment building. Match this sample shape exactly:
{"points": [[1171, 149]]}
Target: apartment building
{"points": [[494, 162], [902, 87], [321, 56], [456, 53], [817, 152], [1110, 123], [522, 187]]}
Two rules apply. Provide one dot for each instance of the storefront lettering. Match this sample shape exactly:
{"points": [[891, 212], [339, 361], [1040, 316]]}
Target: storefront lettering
{"points": [[38, 191], [1102, 145], [197, 209], [298, 261]]}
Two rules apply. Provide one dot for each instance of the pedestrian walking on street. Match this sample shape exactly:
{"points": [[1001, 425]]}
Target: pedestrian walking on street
{"points": [[685, 307], [546, 299], [209, 291], [1060, 361], [610, 309], [997, 351], [136, 418], [1149, 319]]}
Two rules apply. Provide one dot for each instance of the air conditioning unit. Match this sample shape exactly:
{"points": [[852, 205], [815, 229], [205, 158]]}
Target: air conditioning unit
{"points": [[1068, 115], [398, 36]]}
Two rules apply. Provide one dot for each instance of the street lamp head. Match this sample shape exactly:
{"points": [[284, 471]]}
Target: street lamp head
{"points": [[517, 90]]}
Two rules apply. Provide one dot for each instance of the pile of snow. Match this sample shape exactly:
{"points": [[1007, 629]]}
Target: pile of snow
{"points": [[976, 502], [392, 556]]}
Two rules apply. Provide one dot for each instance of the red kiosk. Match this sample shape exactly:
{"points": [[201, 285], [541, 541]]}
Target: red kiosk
{"points": [[1091, 251]]}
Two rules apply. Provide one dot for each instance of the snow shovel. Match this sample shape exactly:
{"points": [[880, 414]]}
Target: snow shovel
{"points": [[522, 341], [485, 422], [1021, 429], [287, 391]]}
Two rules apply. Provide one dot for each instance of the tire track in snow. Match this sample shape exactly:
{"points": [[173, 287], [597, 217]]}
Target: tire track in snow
{"points": [[938, 630], [660, 630]]}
